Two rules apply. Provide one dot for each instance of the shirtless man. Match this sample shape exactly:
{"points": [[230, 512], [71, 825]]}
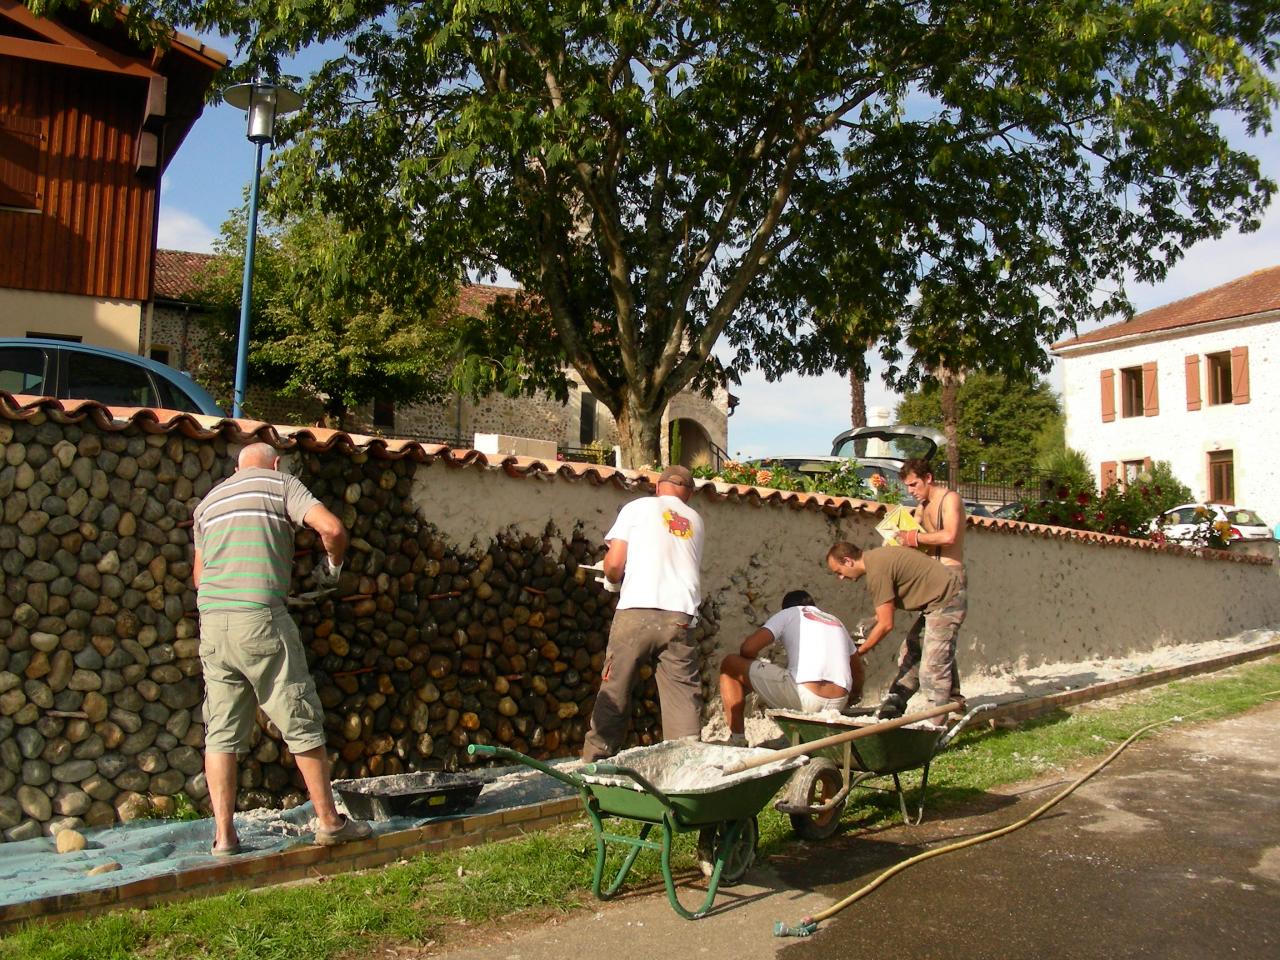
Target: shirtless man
{"points": [[940, 513]]}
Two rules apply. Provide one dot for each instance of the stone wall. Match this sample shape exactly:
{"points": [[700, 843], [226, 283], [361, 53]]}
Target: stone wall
{"points": [[464, 615]]}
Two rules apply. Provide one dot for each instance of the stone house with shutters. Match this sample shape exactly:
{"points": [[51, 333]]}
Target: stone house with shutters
{"points": [[1188, 382]]}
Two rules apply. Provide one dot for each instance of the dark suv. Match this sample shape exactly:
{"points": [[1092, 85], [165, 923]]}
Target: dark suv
{"points": [[78, 371]]}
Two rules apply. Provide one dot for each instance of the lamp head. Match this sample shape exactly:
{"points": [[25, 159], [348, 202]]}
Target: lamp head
{"points": [[263, 101]]}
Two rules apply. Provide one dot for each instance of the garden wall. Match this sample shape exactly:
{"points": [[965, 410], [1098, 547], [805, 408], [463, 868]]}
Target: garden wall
{"points": [[464, 614]]}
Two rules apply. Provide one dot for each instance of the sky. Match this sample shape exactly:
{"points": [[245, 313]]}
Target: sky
{"points": [[796, 416]]}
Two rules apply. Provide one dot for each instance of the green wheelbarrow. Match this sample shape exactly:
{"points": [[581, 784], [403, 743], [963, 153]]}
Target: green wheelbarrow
{"points": [[817, 794], [679, 787]]}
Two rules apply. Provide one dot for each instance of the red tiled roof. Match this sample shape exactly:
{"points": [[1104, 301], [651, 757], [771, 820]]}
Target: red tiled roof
{"points": [[115, 419], [1258, 292], [177, 272]]}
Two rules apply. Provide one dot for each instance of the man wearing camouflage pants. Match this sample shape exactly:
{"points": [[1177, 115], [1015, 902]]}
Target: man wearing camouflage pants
{"points": [[900, 577]]}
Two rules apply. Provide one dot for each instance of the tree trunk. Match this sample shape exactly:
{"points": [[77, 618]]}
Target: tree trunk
{"points": [[857, 400], [640, 437], [950, 382]]}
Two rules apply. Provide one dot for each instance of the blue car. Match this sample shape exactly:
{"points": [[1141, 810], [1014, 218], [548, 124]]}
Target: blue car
{"points": [[77, 371]]}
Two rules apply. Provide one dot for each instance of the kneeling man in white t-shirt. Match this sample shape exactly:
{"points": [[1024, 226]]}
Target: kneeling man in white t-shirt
{"points": [[824, 670]]}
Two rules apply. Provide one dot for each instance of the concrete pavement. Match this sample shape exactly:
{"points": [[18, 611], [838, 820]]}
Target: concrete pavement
{"points": [[1173, 852]]}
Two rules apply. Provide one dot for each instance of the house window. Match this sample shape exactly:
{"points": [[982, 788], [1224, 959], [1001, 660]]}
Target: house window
{"points": [[384, 413], [587, 420], [1219, 375], [1222, 477], [1131, 392], [162, 355], [1133, 470], [22, 143]]}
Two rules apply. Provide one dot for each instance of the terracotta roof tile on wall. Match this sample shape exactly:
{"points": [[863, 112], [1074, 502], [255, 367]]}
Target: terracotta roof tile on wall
{"points": [[1258, 292], [319, 439]]}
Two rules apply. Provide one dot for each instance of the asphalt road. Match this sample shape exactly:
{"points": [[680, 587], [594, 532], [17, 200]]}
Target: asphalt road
{"points": [[1173, 852]]}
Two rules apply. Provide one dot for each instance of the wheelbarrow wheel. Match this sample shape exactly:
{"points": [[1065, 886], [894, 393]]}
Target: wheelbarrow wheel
{"points": [[737, 860], [813, 785]]}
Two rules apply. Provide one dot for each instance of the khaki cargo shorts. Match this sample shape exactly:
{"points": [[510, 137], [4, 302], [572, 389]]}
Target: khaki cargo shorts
{"points": [[251, 659], [779, 690]]}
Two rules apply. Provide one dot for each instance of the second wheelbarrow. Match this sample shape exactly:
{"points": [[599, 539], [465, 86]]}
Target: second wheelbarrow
{"points": [[817, 794], [678, 786]]}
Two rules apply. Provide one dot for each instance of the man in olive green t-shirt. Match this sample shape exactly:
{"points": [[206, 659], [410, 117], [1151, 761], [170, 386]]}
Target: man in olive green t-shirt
{"points": [[899, 577]]}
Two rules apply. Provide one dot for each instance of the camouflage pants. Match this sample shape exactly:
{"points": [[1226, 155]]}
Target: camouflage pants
{"points": [[637, 637], [927, 660]]}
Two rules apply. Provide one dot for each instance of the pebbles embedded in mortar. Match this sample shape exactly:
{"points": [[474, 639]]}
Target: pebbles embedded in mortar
{"points": [[422, 650]]}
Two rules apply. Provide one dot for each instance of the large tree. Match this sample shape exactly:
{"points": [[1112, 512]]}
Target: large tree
{"points": [[666, 175]]}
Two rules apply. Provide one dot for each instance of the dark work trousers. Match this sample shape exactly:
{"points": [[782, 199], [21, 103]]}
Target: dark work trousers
{"points": [[636, 638]]}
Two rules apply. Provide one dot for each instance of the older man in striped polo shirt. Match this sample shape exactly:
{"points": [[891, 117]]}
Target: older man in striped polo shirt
{"points": [[249, 645]]}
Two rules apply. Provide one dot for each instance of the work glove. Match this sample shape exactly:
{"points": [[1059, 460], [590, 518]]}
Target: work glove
{"points": [[891, 707], [326, 573], [909, 538]]}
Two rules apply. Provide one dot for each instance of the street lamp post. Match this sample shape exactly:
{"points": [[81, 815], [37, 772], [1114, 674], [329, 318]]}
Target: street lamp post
{"points": [[263, 102]]}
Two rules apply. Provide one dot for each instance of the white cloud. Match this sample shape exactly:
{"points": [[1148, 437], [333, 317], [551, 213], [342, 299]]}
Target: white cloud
{"points": [[180, 230]]}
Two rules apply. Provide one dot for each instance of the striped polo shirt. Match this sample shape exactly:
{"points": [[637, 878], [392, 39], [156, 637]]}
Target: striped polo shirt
{"points": [[244, 532]]}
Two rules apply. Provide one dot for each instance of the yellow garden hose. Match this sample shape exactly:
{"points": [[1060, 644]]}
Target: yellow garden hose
{"points": [[809, 924]]}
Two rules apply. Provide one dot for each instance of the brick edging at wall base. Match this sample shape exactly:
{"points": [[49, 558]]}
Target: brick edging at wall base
{"points": [[297, 863], [1019, 710]]}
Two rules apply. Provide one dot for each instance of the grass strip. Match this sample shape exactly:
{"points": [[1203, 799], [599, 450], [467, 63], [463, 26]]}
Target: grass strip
{"points": [[436, 897]]}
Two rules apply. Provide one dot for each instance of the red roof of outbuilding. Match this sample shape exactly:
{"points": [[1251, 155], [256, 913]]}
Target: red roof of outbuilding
{"points": [[1257, 292]]}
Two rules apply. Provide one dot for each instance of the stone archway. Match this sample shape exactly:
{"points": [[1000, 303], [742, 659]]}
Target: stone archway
{"points": [[696, 449]]}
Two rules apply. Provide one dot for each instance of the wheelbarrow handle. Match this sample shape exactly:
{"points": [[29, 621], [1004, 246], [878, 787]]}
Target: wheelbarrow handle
{"points": [[803, 749], [485, 750], [613, 770]]}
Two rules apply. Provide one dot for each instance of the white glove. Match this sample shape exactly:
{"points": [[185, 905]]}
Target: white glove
{"points": [[326, 573]]}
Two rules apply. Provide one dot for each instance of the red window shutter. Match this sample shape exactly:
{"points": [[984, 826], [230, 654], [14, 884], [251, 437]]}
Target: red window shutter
{"points": [[1193, 381], [1108, 474], [1108, 396], [22, 141], [1146, 464], [1150, 390], [1239, 374]]}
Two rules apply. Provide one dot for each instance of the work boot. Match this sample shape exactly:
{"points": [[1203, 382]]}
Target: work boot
{"points": [[891, 707]]}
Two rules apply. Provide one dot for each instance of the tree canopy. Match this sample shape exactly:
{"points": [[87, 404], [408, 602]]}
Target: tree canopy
{"points": [[309, 340], [951, 179], [1001, 422]]}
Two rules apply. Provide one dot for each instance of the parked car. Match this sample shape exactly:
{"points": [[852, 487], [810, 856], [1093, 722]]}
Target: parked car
{"points": [[878, 450], [1182, 523], [77, 371], [976, 508], [1014, 510]]}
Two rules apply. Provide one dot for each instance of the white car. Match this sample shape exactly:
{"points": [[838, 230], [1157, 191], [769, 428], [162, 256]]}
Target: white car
{"points": [[1182, 524]]}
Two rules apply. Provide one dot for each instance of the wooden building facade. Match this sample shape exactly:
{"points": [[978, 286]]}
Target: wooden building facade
{"points": [[88, 122]]}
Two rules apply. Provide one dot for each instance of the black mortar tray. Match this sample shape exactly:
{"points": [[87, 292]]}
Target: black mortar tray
{"points": [[427, 794]]}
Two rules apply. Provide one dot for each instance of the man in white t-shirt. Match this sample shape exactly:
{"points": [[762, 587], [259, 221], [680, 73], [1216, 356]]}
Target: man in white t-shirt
{"points": [[655, 552], [824, 672]]}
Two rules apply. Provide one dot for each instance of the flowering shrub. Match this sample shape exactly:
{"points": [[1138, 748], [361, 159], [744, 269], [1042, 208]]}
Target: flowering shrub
{"points": [[1123, 511], [841, 481]]}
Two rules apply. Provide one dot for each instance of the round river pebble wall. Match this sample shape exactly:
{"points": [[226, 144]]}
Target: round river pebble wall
{"points": [[420, 651], [464, 614]]}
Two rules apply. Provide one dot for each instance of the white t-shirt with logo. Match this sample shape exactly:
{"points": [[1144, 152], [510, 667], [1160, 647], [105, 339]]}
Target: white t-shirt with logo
{"points": [[817, 644], [664, 554]]}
